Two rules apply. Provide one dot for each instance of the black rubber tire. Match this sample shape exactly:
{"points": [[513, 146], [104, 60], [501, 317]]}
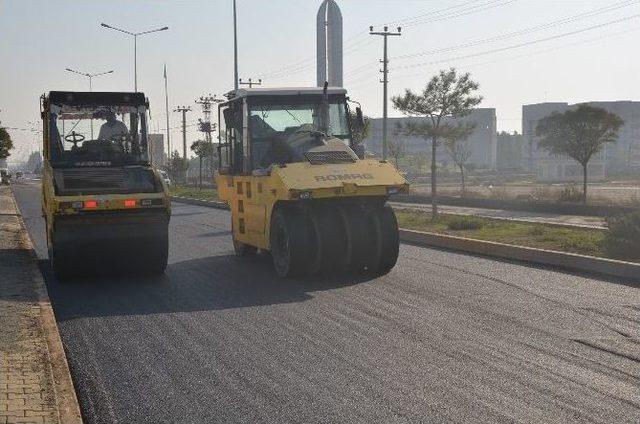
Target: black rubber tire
{"points": [[389, 238], [157, 259], [332, 253], [291, 244], [361, 239], [60, 262]]}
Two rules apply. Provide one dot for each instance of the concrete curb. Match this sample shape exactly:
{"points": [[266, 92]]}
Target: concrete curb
{"points": [[65, 393], [568, 261]]}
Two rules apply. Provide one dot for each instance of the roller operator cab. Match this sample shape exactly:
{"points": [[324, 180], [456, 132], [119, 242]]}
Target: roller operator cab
{"points": [[296, 187], [106, 208]]}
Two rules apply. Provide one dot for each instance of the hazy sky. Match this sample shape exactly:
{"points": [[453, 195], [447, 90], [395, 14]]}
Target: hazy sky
{"points": [[520, 51]]}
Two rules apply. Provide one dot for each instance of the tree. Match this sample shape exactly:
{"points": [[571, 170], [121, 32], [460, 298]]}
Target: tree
{"points": [[6, 143], [578, 134], [359, 132], [456, 141], [202, 149], [34, 162], [447, 95], [177, 166], [396, 144]]}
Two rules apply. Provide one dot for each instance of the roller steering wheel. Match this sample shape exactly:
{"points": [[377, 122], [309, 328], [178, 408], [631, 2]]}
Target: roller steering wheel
{"points": [[74, 138]]}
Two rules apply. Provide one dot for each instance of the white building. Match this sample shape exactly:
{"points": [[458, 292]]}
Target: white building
{"points": [[482, 142]]}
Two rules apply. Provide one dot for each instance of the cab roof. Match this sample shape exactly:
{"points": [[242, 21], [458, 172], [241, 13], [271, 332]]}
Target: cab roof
{"points": [[283, 91], [99, 98]]}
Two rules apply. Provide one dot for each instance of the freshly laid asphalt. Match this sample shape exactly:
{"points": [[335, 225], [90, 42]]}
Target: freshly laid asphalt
{"points": [[445, 337]]}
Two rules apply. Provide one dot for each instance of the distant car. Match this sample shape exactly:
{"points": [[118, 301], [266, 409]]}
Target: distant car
{"points": [[19, 175], [165, 177]]}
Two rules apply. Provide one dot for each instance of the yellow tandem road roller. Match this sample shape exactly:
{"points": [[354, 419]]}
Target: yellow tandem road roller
{"points": [[296, 186], [106, 208]]}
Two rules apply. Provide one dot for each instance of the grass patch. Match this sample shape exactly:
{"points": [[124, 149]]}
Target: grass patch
{"points": [[550, 237], [459, 223], [194, 192]]}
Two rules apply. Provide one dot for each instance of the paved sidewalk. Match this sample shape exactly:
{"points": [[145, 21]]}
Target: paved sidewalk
{"points": [[35, 385], [535, 217]]}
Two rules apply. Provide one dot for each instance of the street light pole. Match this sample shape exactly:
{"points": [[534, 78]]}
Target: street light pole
{"points": [[235, 47], [385, 81], [135, 47], [90, 76], [135, 62], [251, 83]]}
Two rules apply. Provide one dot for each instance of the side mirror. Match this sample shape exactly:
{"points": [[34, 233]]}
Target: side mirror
{"points": [[360, 117], [358, 149]]}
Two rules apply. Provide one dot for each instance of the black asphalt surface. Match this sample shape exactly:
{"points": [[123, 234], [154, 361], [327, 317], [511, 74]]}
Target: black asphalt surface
{"points": [[445, 337]]}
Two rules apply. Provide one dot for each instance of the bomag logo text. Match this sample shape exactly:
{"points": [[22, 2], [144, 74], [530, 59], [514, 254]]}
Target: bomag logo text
{"points": [[343, 177]]}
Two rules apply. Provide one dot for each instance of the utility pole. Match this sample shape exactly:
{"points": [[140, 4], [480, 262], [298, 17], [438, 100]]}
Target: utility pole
{"points": [[385, 80], [166, 106], [250, 83], [235, 47], [204, 125], [184, 110]]}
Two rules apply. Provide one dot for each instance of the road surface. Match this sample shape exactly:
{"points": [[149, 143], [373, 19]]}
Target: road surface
{"points": [[445, 337]]}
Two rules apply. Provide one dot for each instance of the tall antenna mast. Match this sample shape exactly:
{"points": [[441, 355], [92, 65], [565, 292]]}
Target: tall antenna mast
{"points": [[235, 47]]}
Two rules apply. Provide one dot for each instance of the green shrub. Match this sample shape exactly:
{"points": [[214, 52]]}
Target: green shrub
{"points": [[570, 193], [623, 238], [461, 223]]}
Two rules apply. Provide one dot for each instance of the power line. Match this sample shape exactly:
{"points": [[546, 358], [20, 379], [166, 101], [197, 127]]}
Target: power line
{"points": [[457, 14], [366, 66], [440, 14], [524, 31], [445, 10], [534, 53], [528, 43]]}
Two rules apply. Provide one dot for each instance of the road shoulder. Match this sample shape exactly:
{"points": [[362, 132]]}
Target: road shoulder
{"points": [[35, 383]]}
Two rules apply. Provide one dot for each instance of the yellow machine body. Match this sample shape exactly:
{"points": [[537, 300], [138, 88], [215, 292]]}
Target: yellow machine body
{"points": [[106, 208], [299, 186], [252, 199]]}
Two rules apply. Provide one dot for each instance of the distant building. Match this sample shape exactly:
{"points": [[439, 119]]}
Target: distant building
{"points": [[624, 155], [157, 155], [483, 141], [510, 150]]}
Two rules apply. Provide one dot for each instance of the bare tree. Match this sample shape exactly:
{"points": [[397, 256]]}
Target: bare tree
{"points": [[396, 144], [578, 134], [447, 95], [456, 141], [359, 132]]}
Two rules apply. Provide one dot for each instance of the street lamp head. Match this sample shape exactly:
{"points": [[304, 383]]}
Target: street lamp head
{"points": [[164, 28], [386, 28], [371, 28], [399, 29], [104, 25]]}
